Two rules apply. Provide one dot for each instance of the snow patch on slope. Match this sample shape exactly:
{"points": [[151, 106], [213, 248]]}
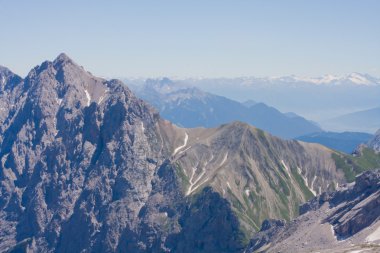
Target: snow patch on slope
{"points": [[286, 168], [182, 146], [374, 236], [88, 97], [306, 182], [224, 160]]}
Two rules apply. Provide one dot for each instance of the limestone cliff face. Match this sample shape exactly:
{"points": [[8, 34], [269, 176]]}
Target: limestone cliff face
{"points": [[85, 166]]}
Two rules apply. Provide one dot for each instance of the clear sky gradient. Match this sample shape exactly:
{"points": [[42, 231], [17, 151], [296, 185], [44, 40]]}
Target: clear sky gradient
{"points": [[208, 38]]}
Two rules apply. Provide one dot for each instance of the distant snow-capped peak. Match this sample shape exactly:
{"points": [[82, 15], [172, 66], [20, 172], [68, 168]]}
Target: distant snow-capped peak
{"points": [[353, 78]]}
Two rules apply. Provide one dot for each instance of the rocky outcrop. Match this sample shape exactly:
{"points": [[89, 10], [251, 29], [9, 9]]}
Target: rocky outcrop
{"points": [[84, 167], [347, 219], [374, 143]]}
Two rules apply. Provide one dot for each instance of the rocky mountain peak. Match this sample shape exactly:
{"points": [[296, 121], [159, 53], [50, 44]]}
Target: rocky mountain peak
{"points": [[7, 78], [63, 58], [4, 70], [72, 146], [374, 143]]}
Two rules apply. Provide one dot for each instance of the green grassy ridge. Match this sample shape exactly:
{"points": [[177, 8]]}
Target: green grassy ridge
{"points": [[351, 166], [182, 177]]}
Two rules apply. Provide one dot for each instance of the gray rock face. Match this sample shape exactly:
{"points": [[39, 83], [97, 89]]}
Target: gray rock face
{"points": [[260, 175], [83, 166], [374, 143], [75, 159], [340, 221]]}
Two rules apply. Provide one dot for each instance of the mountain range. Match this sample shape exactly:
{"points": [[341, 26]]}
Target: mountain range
{"points": [[86, 166], [318, 99], [354, 121], [346, 142], [192, 107]]}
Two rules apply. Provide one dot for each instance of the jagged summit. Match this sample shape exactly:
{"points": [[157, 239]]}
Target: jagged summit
{"points": [[63, 60], [8, 79], [4, 69], [63, 57]]}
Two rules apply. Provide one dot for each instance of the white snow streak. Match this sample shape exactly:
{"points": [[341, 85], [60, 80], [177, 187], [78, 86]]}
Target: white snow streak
{"points": [[182, 146], [286, 167], [59, 101], [142, 127], [101, 99], [374, 236], [182, 151], [333, 232], [224, 160], [306, 183], [193, 183], [88, 97]]}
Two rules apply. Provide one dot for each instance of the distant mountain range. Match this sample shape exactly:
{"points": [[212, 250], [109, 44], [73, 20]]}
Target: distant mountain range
{"points": [[363, 121], [191, 107], [349, 79], [346, 141], [318, 99]]}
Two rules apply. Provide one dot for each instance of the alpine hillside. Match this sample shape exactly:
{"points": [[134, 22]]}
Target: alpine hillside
{"points": [[85, 166]]}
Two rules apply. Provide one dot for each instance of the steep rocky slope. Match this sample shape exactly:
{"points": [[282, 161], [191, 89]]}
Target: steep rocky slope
{"points": [[79, 156], [374, 143], [260, 175], [347, 220], [86, 166]]}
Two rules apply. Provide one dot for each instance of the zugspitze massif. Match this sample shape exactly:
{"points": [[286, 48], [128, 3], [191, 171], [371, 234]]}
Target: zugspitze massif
{"points": [[88, 167]]}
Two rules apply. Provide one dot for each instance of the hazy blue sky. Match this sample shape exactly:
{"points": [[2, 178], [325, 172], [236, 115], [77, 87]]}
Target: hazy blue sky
{"points": [[210, 38]]}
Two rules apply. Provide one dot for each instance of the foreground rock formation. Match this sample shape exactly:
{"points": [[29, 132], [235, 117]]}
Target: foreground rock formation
{"points": [[347, 220]]}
